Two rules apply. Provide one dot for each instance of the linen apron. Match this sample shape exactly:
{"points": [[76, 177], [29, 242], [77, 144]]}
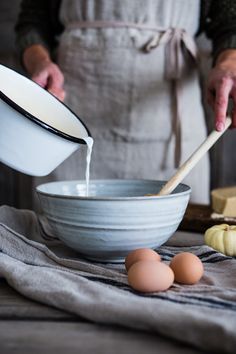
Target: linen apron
{"points": [[114, 59]]}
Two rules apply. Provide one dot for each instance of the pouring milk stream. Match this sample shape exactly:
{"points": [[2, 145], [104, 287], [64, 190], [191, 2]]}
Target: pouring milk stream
{"points": [[89, 142]]}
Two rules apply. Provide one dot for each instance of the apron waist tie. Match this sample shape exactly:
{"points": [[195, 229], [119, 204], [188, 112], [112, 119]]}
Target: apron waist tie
{"points": [[177, 41]]}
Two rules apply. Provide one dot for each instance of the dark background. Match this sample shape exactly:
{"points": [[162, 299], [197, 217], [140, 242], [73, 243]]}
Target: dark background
{"points": [[16, 188]]}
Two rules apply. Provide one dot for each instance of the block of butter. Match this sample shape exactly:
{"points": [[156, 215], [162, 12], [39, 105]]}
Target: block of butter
{"points": [[224, 201]]}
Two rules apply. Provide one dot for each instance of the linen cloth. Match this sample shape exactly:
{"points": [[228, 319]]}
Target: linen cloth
{"points": [[122, 94], [40, 267]]}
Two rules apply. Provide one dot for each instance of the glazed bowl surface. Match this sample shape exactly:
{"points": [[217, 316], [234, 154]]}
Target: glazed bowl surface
{"points": [[116, 218]]}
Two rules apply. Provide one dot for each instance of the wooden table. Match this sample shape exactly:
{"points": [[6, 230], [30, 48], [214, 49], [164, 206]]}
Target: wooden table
{"points": [[198, 218], [28, 327]]}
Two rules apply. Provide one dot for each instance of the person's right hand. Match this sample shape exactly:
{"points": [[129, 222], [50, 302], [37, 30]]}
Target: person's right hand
{"points": [[49, 76], [43, 71]]}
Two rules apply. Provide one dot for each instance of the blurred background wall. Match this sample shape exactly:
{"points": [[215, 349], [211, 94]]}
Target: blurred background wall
{"points": [[16, 188]]}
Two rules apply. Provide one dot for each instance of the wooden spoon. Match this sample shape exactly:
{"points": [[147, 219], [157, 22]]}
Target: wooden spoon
{"points": [[193, 160]]}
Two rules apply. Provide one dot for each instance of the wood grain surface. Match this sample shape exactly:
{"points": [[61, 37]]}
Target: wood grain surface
{"points": [[198, 218], [28, 327]]}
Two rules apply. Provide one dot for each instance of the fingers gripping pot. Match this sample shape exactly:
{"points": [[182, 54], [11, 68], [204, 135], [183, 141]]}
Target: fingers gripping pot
{"points": [[37, 131]]}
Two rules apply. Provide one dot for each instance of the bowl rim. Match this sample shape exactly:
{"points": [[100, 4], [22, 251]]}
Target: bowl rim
{"points": [[36, 120], [110, 181]]}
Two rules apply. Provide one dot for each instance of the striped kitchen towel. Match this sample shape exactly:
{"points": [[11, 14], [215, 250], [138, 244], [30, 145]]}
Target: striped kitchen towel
{"points": [[41, 268]]}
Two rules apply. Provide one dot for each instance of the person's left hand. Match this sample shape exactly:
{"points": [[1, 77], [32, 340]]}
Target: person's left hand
{"points": [[222, 86]]}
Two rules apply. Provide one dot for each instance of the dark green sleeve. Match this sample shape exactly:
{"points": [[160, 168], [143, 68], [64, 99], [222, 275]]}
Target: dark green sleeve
{"points": [[37, 24], [220, 25]]}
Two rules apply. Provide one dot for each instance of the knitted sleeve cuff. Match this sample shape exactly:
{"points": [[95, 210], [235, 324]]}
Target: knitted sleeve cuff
{"points": [[223, 43], [28, 38]]}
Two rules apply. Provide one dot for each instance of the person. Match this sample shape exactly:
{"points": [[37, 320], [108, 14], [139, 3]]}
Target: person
{"points": [[128, 68]]}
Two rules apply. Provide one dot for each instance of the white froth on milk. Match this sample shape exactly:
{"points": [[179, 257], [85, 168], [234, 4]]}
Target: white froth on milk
{"points": [[89, 143]]}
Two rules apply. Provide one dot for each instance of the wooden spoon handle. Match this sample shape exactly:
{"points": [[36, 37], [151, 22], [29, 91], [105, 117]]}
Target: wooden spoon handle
{"points": [[193, 159]]}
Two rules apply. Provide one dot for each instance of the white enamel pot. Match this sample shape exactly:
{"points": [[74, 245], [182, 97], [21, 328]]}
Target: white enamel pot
{"points": [[37, 131]]}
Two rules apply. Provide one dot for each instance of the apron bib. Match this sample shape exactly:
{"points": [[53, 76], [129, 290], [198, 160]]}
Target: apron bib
{"points": [[122, 93]]}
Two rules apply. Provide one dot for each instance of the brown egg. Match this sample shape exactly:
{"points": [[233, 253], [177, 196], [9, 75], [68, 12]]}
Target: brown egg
{"points": [[150, 276], [141, 254], [187, 267]]}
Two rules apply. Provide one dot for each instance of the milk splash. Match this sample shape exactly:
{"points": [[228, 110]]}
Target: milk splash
{"points": [[89, 143]]}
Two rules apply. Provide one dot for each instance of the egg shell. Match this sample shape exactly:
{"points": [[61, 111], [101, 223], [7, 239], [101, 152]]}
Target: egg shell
{"points": [[150, 276], [187, 268], [141, 254]]}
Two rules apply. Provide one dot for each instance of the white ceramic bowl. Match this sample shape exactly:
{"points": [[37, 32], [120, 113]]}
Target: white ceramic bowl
{"points": [[37, 131], [117, 217]]}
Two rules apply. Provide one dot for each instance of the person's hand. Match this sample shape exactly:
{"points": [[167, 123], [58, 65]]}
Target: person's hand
{"points": [[48, 75], [222, 86], [43, 71]]}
